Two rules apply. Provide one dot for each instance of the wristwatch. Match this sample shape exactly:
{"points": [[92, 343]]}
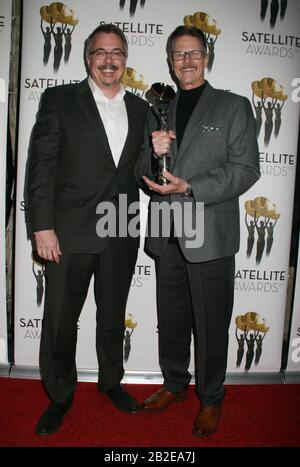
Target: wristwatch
{"points": [[188, 190]]}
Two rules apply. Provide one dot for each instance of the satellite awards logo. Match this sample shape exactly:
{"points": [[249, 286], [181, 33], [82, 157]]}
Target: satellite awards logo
{"points": [[132, 6], [209, 27], [57, 21], [268, 42], [251, 321], [274, 10], [268, 97], [265, 216], [134, 82], [130, 325], [38, 270]]}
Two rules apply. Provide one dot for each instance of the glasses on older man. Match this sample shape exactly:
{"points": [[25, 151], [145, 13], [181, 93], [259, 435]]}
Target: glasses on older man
{"points": [[101, 54], [193, 54]]}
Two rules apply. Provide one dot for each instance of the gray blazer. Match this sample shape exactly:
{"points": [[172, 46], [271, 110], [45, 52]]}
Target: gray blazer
{"points": [[219, 157]]}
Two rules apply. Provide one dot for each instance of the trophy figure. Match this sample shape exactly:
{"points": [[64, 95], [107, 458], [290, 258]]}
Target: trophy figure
{"points": [[162, 94]]}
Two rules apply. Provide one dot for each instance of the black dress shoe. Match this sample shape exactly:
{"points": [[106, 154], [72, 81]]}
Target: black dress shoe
{"points": [[122, 400], [52, 419]]}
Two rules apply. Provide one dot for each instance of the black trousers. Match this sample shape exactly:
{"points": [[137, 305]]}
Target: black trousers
{"points": [[67, 285], [194, 298]]}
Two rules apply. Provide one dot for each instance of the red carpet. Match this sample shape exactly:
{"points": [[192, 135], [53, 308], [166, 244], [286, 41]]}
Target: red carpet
{"points": [[253, 416]]}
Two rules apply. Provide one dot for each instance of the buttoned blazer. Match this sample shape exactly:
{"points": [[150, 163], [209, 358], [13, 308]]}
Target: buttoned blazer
{"points": [[71, 169], [219, 157]]}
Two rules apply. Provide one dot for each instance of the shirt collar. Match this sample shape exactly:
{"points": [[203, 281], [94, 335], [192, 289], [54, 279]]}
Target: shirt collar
{"points": [[100, 96]]}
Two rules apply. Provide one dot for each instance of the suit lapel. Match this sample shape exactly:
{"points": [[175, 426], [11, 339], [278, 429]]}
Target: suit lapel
{"points": [[88, 107], [197, 118], [130, 133], [172, 126]]}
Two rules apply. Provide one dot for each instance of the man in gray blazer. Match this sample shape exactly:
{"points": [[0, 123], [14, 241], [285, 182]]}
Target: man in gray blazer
{"points": [[84, 147], [213, 160]]}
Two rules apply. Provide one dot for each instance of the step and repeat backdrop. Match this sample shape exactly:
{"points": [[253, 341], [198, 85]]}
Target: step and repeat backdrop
{"points": [[254, 51], [5, 28]]}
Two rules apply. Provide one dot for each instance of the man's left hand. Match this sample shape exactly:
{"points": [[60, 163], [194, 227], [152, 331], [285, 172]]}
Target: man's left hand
{"points": [[176, 185]]}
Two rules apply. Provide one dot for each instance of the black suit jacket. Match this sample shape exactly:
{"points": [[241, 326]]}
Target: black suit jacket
{"points": [[71, 169]]}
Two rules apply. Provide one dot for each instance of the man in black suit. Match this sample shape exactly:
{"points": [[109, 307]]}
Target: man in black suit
{"points": [[84, 147]]}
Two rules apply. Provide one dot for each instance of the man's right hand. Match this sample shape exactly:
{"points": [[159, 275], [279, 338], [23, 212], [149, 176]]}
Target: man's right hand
{"points": [[47, 245], [161, 141]]}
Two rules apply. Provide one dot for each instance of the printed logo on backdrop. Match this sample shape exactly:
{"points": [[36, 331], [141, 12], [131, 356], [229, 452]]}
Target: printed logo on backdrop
{"points": [[260, 281], [250, 331], [140, 34], [31, 327], [38, 271], [132, 5], [209, 27], [130, 325], [270, 43], [273, 164], [141, 275], [134, 82], [268, 98], [58, 22], [36, 86], [276, 8], [276, 164], [261, 216]]}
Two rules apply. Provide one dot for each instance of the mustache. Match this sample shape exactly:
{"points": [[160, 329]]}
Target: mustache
{"points": [[187, 68], [108, 67]]}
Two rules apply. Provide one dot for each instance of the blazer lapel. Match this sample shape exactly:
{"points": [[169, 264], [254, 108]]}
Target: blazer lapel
{"points": [[172, 126], [197, 118], [87, 105], [130, 133]]}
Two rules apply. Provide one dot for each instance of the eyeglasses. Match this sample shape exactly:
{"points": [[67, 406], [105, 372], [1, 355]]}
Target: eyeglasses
{"points": [[193, 54], [101, 54]]}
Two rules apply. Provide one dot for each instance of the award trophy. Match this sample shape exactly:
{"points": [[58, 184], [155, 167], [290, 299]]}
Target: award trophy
{"points": [[162, 94]]}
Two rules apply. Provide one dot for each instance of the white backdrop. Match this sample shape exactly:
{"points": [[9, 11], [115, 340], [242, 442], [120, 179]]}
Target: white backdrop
{"points": [[247, 47], [5, 28]]}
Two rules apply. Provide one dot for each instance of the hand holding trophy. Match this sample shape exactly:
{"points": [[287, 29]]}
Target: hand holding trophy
{"points": [[162, 94]]}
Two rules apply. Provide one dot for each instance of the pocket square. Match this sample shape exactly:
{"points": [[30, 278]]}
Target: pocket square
{"points": [[208, 128]]}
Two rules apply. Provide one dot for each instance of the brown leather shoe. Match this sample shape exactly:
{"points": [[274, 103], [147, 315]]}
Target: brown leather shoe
{"points": [[207, 420], [161, 399]]}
